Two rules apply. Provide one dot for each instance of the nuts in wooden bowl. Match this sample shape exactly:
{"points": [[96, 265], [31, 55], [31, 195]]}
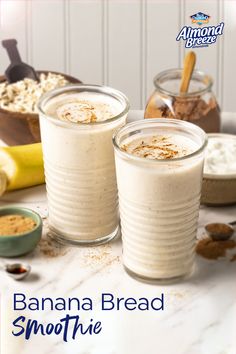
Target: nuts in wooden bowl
{"points": [[19, 123]]}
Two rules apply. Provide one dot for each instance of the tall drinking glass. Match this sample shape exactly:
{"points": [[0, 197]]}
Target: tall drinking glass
{"points": [[79, 161], [159, 165]]}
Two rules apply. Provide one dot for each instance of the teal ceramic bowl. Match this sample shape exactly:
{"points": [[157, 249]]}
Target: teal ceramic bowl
{"points": [[14, 246]]}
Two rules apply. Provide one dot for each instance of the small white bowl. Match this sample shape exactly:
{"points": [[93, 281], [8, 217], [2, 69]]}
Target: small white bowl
{"points": [[219, 189]]}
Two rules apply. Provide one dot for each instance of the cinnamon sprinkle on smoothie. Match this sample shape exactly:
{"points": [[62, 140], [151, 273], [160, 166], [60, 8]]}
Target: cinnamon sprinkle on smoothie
{"points": [[84, 111], [157, 147]]}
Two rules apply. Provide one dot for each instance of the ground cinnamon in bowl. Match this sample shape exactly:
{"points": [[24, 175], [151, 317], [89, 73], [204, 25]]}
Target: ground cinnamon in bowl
{"points": [[13, 225], [219, 228], [219, 232]]}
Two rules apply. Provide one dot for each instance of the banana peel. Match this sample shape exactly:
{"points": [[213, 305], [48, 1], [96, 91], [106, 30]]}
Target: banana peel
{"points": [[21, 167], [3, 182]]}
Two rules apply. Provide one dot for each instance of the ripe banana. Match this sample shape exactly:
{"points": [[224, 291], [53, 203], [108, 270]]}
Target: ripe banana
{"points": [[21, 167]]}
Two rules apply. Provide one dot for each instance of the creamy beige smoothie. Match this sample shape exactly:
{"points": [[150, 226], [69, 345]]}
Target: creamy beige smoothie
{"points": [[159, 167], [77, 124]]}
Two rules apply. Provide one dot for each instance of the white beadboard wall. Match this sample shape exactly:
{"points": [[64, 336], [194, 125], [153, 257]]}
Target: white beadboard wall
{"points": [[121, 43]]}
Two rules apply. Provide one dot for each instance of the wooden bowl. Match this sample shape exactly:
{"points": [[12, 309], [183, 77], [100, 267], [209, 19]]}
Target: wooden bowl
{"points": [[23, 128]]}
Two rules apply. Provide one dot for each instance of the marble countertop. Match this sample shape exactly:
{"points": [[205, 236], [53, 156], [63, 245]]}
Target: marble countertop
{"points": [[199, 315]]}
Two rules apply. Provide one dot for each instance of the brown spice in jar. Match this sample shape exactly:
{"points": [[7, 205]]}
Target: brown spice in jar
{"points": [[192, 109], [211, 249], [13, 225]]}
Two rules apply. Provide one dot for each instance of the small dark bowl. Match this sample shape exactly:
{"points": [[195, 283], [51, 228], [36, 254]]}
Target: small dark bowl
{"points": [[23, 128]]}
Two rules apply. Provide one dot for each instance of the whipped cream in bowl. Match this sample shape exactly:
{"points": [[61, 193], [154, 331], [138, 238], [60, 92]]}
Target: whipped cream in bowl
{"points": [[219, 178], [220, 159]]}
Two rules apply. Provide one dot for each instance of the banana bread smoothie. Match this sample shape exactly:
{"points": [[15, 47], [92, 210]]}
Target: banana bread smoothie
{"points": [[159, 173], [77, 124]]}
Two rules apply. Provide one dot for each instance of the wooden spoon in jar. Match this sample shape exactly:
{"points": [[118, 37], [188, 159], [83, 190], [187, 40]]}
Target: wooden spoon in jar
{"points": [[189, 64]]}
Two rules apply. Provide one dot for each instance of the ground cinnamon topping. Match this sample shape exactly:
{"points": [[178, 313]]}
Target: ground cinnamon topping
{"points": [[211, 249], [156, 148], [84, 111]]}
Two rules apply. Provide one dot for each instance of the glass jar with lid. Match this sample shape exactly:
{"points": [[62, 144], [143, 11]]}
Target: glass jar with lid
{"points": [[198, 105]]}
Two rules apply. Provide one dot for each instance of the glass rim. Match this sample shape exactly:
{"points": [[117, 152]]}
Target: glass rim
{"points": [[196, 74], [153, 122], [116, 94]]}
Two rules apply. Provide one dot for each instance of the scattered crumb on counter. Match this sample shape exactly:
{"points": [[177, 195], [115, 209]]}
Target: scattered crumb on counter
{"points": [[50, 248], [47, 246], [99, 255]]}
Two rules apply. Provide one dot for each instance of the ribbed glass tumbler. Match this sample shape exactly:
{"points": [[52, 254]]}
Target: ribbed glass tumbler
{"points": [[159, 201], [80, 169]]}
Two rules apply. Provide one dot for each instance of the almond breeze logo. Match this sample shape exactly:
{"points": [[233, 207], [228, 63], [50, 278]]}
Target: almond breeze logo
{"points": [[201, 36], [200, 18]]}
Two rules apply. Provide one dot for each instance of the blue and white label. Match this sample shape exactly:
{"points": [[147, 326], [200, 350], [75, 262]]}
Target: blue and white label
{"points": [[200, 18], [200, 37]]}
